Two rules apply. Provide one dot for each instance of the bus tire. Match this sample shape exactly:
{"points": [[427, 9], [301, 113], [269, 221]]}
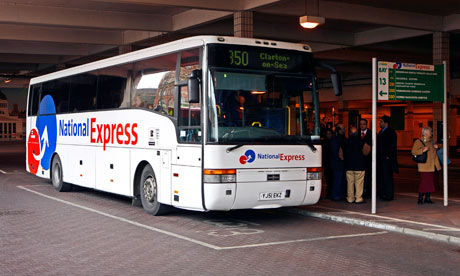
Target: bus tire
{"points": [[149, 193], [57, 176]]}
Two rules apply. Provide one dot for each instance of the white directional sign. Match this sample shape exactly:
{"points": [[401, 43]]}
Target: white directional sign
{"points": [[382, 80]]}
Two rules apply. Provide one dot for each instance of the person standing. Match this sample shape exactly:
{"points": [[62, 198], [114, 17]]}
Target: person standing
{"points": [[426, 170], [337, 163], [387, 162], [366, 136], [354, 164]]}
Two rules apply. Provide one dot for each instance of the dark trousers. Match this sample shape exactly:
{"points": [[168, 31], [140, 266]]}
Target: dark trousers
{"points": [[339, 182], [328, 177], [385, 185], [368, 178]]}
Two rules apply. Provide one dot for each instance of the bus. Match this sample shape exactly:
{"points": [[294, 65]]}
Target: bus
{"points": [[203, 123]]}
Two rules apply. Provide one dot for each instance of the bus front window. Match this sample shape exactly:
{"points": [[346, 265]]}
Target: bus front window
{"points": [[261, 108]]}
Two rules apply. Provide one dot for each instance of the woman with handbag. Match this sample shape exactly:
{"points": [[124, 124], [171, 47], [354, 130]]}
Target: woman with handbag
{"points": [[423, 146]]}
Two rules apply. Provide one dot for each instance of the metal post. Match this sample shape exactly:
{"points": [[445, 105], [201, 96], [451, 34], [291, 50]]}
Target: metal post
{"points": [[374, 135], [444, 136]]}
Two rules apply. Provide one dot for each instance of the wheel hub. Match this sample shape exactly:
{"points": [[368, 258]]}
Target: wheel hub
{"points": [[150, 189]]}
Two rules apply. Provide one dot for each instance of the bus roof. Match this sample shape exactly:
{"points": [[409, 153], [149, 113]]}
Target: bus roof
{"points": [[174, 46]]}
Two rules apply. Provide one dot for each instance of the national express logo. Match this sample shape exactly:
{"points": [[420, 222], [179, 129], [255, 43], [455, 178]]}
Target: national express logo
{"points": [[250, 156], [43, 137]]}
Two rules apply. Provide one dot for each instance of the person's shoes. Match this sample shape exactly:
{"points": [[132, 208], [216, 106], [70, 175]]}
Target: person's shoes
{"points": [[428, 199], [361, 202], [420, 199], [350, 202]]}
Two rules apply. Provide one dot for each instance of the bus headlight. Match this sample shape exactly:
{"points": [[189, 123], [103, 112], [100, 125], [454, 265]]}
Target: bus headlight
{"points": [[314, 173], [220, 176]]}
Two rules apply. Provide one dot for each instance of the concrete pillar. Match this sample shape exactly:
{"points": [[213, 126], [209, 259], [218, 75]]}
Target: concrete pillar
{"points": [[243, 24], [441, 52]]}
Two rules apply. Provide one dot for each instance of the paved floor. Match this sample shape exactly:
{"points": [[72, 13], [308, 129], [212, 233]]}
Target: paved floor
{"points": [[85, 232]]}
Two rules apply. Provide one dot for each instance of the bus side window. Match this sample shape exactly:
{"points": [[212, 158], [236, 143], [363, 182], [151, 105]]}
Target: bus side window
{"points": [[34, 98], [110, 91], [153, 84], [189, 118], [58, 90], [189, 113], [113, 86], [83, 92]]}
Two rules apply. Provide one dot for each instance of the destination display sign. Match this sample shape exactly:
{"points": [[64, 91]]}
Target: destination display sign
{"points": [[410, 82], [260, 58]]}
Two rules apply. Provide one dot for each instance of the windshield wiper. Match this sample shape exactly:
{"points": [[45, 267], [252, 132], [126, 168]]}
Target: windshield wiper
{"points": [[234, 148], [312, 147]]}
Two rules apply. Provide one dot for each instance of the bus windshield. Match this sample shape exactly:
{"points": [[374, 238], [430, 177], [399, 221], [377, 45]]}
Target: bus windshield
{"points": [[261, 108]]}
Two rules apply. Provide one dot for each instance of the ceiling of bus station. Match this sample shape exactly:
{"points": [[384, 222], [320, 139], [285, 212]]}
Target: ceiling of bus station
{"points": [[40, 36]]}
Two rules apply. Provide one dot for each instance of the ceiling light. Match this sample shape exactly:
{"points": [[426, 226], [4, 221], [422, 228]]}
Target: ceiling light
{"points": [[257, 92], [310, 22], [7, 81]]}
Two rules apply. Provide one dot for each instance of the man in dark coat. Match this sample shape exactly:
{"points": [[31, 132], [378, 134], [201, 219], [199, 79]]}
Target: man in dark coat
{"points": [[366, 135], [386, 159], [337, 163], [354, 165]]}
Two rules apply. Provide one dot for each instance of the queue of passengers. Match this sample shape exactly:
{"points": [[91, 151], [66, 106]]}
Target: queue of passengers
{"points": [[348, 164]]}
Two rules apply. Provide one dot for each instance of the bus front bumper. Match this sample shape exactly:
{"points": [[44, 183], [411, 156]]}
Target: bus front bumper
{"points": [[261, 195]]}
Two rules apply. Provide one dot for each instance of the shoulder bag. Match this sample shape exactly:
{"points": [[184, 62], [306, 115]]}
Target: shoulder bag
{"points": [[421, 158]]}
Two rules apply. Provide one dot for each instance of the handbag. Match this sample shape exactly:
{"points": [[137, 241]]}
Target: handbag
{"points": [[440, 153], [420, 158]]}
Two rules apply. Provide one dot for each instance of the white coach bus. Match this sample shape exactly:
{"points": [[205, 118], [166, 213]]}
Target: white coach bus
{"points": [[203, 123]]}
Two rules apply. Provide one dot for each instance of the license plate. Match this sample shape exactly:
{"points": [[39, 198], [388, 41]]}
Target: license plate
{"points": [[271, 196]]}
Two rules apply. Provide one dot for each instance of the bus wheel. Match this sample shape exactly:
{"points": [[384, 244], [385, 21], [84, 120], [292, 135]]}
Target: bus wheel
{"points": [[57, 176], [149, 193]]}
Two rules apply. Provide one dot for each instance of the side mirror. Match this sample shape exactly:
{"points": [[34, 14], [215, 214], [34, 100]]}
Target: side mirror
{"points": [[336, 83], [193, 84]]}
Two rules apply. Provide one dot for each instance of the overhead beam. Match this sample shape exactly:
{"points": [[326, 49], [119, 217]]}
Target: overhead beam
{"points": [[54, 34], [194, 18], [254, 4], [28, 58], [389, 17], [385, 34], [362, 13], [68, 17], [321, 47], [183, 21], [451, 23], [130, 37], [228, 5], [48, 48], [277, 31], [355, 55]]}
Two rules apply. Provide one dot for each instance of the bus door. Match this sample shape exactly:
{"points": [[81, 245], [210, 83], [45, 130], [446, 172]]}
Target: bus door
{"points": [[186, 182]]}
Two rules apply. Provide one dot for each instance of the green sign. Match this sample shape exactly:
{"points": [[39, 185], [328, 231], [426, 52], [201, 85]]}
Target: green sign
{"points": [[410, 82]]}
